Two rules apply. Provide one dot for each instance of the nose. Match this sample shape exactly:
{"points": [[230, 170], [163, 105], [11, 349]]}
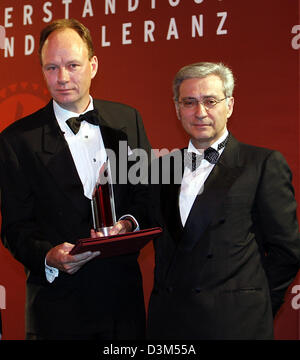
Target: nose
{"points": [[200, 110], [63, 75]]}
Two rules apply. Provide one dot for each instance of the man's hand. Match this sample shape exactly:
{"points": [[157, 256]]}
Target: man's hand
{"points": [[121, 227], [60, 258]]}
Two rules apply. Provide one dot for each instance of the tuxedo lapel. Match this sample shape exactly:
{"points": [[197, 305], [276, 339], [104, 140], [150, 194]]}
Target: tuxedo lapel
{"points": [[56, 156], [208, 207], [117, 153], [170, 209], [111, 134], [110, 138], [170, 193]]}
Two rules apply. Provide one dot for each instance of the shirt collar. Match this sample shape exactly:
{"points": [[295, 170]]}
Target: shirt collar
{"points": [[191, 147], [62, 114]]}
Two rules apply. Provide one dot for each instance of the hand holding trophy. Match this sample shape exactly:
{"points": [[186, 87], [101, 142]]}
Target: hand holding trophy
{"points": [[109, 237]]}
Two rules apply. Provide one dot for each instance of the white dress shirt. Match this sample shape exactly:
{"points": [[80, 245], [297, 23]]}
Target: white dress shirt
{"points": [[88, 152], [192, 182], [87, 147]]}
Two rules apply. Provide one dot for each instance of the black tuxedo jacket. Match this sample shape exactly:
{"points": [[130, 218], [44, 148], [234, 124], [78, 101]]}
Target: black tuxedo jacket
{"points": [[224, 273], [43, 205]]}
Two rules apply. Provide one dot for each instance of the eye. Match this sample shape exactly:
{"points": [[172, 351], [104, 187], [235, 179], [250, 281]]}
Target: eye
{"points": [[210, 102], [50, 68], [73, 66], [189, 102]]}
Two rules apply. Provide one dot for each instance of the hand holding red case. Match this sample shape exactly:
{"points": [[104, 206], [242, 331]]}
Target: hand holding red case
{"points": [[117, 244]]}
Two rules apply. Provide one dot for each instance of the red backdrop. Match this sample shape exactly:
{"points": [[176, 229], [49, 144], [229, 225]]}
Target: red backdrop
{"points": [[140, 45]]}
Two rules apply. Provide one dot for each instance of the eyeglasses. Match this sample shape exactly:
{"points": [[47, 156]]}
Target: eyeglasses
{"points": [[207, 102]]}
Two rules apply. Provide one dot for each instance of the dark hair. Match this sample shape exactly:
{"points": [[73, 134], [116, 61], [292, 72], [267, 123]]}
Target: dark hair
{"points": [[62, 24]]}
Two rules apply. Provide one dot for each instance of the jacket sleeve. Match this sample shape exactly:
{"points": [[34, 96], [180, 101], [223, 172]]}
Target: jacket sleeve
{"points": [[19, 231], [279, 229]]}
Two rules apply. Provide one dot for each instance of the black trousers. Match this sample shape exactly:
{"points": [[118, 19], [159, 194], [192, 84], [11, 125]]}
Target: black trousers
{"points": [[112, 330]]}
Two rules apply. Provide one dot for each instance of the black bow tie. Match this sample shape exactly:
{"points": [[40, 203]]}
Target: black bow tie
{"points": [[90, 116], [210, 154]]}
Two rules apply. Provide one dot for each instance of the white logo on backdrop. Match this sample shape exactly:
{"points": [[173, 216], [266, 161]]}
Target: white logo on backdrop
{"points": [[296, 39], [2, 297], [150, 28]]}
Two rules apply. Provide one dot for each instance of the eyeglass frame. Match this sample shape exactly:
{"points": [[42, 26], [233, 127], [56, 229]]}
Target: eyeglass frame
{"points": [[197, 102]]}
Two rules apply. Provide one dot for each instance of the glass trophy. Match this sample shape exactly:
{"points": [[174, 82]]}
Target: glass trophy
{"points": [[103, 204]]}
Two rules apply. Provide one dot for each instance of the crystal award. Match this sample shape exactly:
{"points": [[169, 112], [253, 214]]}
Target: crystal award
{"points": [[103, 204]]}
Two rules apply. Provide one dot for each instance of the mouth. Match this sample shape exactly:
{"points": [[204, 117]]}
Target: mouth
{"points": [[201, 125], [63, 90]]}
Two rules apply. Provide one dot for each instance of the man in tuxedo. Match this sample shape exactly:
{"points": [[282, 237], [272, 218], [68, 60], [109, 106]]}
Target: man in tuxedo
{"points": [[231, 241], [49, 165]]}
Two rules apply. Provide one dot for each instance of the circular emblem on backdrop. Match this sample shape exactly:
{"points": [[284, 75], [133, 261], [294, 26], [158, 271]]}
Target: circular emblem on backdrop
{"points": [[19, 100]]}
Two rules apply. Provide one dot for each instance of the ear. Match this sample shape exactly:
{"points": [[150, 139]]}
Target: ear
{"points": [[94, 66], [230, 105], [177, 110]]}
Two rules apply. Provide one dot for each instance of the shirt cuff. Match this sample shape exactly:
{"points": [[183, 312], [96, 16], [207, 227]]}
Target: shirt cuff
{"points": [[133, 219], [51, 272]]}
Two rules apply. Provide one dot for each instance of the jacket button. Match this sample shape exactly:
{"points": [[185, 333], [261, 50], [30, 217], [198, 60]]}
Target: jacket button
{"points": [[197, 290], [169, 289]]}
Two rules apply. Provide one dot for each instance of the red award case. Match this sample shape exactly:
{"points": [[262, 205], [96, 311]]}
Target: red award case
{"points": [[117, 244]]}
